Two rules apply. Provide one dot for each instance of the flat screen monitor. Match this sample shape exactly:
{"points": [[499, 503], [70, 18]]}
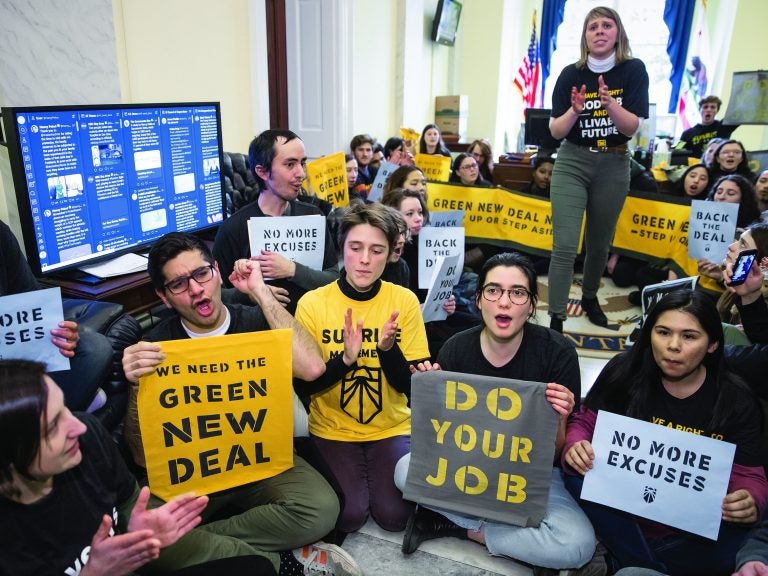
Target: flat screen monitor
{"points": [[93, 182], [537, 129], [446, 22]]}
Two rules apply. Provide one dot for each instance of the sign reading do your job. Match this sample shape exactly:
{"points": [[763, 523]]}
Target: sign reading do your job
{"points": [[661, 473], [216, 413], [481, 446]]}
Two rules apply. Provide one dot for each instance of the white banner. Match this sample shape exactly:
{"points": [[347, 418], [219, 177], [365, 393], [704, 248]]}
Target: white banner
{"points": [[298, 238], [436, 242], [651, 470], [446, 275], [377, 188], [711, 229], [447, 219], [26, 321]]}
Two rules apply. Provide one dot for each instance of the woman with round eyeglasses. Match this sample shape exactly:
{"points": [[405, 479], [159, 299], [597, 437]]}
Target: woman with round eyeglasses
{"points": [[466, 171], [482, 152], [507, 345]]}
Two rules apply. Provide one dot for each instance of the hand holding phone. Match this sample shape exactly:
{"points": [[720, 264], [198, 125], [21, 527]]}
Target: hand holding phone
{"points": [[741, 267]]}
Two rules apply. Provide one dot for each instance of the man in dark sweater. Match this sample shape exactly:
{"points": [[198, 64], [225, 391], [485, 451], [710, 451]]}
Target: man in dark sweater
{"points": [[291, 510], [697, 137], [89, 353], [277, 158]]}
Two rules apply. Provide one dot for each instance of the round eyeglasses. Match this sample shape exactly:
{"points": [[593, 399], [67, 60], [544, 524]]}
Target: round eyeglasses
{"points": [[181, 284], [517, 294]]}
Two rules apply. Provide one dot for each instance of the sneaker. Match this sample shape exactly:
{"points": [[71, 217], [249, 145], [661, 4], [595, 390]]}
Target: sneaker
{"points": [[556, 324], [424, 524], [327, 559]]}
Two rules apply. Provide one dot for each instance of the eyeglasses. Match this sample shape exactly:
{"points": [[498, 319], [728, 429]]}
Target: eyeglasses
{"points": [[517, 295], [468, 167], [181, 284]]}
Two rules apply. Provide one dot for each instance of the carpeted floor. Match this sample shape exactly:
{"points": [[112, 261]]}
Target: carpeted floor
{"points": [[590, 340]]}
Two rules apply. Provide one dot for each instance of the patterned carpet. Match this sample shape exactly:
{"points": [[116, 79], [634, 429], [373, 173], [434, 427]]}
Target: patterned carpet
{"points": [[590, 340]]}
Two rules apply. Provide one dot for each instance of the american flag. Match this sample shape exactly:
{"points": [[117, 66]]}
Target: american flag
{"points": [[527, 78]]}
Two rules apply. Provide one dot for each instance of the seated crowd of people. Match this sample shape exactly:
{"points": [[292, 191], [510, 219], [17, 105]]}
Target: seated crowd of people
{"points": [[71, 504]]}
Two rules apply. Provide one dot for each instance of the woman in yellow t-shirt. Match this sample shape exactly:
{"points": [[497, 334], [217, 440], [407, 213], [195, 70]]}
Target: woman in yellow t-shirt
{"points": [[369, 332]]}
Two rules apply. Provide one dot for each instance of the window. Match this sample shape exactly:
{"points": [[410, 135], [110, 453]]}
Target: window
{"points": [[647, 32]]}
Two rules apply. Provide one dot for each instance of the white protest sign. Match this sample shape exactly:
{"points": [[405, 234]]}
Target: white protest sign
{"points": [[298, 238], [436, 242], [711, 229], [446, 218], [26, 321], [377, 188], [660, 473], [446, 275]]}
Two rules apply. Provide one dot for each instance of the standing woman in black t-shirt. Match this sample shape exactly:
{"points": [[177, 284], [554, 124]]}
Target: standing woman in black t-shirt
{"points": [[597, 105]]}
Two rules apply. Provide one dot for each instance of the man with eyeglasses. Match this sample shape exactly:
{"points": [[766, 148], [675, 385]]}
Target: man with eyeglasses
{"points": [[278, 160], [507, 345], [291, 510]]}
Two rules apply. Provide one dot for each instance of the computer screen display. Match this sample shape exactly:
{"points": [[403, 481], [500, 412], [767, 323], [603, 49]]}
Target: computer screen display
{"points": [[96, 181]]}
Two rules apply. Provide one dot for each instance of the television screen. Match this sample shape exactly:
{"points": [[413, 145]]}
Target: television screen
{"points": [[446, 22], [537, 129], [96, 181]]}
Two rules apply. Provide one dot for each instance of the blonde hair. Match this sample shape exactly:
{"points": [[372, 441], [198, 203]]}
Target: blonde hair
{"points": [[623, 51]]}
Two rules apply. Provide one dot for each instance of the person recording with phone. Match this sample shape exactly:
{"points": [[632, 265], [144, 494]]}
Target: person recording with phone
{"points": [[748, 287]]}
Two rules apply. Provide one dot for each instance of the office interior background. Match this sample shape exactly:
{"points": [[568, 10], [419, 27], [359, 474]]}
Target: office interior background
{"points": [[352, 65]]}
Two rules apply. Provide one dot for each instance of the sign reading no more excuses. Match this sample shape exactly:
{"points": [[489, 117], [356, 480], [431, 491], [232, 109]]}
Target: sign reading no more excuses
{"points": [[217, 413], [481, 446], [26, 321], [660, 473], [298, 238]]}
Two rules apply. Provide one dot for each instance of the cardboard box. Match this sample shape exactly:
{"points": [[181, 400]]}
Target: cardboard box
{"points": [[451, 106], [452, 125]]}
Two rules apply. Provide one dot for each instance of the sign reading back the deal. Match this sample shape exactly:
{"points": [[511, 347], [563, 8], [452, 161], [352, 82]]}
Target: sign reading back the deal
{"points": [[481, 446], [711, 229], [328, 178], [298, 238], [447, 219], [217, 413], [436, 242], [26, 321], [657, 472], [446, 275]]}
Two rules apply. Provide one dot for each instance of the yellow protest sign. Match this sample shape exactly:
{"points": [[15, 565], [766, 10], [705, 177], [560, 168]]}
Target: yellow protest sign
{"points": [[411, 138], [208, 425], [498, 216], [655, 228], [328, 178], [434, 167]]}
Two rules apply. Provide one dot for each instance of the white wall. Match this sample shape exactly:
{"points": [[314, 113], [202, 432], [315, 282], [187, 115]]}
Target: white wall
{"points": [[192, 50]]}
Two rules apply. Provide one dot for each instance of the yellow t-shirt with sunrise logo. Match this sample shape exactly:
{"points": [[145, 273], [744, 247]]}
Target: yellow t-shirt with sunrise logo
{"points": [[362, 406]]}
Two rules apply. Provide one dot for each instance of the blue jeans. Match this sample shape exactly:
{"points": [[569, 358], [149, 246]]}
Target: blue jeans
{"points": [[564, 539], [680, 553], [595, 183], [87, 369]]}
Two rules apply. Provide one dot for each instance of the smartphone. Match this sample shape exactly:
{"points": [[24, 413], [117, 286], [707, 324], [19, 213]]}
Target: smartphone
{"points": [[741, 266]]}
